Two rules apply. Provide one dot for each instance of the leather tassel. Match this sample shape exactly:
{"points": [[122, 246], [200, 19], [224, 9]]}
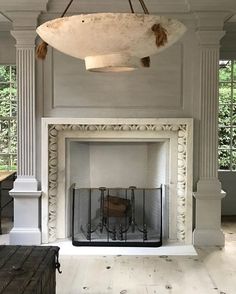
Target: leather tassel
{"points": [[145, 61], [42, 50], [161, 34]]}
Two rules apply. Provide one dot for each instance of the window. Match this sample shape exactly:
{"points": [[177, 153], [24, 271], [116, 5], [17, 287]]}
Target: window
{"points": [[8, 111], [227, 115]]}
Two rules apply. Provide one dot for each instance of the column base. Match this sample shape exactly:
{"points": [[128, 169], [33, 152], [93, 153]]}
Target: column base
{"points": [[208, 214], [26, 213], [208, 237], [25, 236], [26, 183]]}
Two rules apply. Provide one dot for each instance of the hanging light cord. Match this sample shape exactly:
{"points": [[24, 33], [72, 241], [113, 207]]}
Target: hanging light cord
{"points": [[145, 61], [67, 7], [143, 5], [131, 6]]}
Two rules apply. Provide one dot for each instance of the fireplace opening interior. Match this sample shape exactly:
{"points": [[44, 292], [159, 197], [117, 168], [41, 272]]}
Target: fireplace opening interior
{"points": [[117, 166]]}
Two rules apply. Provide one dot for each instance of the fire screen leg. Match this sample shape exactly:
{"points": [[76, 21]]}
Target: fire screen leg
{"points": [[102, 220], [132, 208]]}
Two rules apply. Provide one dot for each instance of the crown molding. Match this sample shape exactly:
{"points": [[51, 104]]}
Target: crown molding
{"points": [[212, 5], [212, 19], [230, 27], [5, 26], [23, 5]]}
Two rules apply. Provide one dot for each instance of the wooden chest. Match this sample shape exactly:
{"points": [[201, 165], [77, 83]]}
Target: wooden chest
{"points": [[28, 269]]}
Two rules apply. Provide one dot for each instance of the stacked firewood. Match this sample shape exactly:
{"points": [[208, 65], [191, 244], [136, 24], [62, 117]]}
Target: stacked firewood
{"points": [[115, 206]]}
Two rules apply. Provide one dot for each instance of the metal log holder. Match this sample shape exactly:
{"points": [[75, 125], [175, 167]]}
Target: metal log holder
{"points": [[117, 217]]}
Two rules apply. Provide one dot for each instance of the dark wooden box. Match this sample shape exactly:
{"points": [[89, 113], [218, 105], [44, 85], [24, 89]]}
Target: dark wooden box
{"points": [[28, 269]]}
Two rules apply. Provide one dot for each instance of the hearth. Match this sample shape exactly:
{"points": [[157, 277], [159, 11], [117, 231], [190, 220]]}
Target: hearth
{"points": [[117, 216]]}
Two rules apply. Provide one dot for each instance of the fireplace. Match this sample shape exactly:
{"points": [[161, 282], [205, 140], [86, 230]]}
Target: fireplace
{"points": [[172, 137], [117, 216]]}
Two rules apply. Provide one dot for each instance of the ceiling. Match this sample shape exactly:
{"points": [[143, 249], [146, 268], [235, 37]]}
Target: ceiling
{"points": [[89, 6]]}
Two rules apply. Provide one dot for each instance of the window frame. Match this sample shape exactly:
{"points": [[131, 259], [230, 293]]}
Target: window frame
{"points": [[231, 125], [11, 156]]}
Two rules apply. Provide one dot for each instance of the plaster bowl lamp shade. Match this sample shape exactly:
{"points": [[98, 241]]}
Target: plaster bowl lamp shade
{"points": [[110, 42]]}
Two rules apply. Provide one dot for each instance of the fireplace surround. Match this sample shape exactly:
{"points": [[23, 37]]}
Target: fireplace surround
{"points": [[56, 132]]}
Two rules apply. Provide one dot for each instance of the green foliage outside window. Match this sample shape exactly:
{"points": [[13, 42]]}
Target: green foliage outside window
{"points": [[227, 115], [8, 111]]}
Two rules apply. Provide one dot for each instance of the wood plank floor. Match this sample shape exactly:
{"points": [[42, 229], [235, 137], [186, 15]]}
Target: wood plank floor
{"points": [[212, 271]]}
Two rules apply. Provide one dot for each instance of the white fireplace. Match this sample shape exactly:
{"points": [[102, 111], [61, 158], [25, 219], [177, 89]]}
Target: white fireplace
{"points": [[143, 152]]}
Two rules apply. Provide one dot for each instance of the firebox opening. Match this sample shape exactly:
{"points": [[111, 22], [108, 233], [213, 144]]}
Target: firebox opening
{"points": [[118, 164], [94, 164]]}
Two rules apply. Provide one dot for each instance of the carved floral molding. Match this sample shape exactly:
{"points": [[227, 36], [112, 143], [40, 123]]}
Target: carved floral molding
{"points": [[55, 129]]}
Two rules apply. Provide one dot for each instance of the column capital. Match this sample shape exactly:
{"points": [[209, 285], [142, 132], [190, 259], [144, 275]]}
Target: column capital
{"points": [[24, 37], [210, 26], [211, 20], [24, 19], [210, 38]]}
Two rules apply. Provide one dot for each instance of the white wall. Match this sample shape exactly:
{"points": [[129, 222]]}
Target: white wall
{"points": [[157, 164], [166, 89], [79, 164], [88, 89], [118, 164]]}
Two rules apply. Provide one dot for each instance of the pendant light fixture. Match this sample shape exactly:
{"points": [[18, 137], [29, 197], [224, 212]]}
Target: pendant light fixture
{"points": [[110, 42]]}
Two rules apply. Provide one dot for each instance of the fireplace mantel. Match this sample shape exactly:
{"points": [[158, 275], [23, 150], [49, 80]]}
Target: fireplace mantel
{"points": [[55, 131]]}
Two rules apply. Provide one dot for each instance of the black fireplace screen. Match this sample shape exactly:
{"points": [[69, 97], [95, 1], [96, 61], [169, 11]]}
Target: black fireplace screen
{"points": [[117, 217]]}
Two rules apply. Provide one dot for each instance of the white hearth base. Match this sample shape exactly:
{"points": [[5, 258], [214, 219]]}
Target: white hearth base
{"points": [[66, 248]]}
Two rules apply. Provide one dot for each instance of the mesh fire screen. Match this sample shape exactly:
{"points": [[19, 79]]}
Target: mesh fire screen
{"points": [[117, 216]]}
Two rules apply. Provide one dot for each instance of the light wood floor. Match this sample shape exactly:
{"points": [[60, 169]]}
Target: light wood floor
{"points": [[212, 271]]}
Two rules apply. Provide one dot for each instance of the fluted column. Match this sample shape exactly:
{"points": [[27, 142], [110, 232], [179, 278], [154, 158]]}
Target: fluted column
{"points": [[25, 59], [26, 112], [209, 194], [209, 108], [26, 195]]}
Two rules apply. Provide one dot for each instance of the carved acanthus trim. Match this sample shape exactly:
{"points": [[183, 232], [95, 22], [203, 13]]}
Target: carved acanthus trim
{"points": [[55, 129]]}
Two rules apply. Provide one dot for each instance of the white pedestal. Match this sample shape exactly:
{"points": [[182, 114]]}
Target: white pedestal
{"points": [[26, 218], [208, 214]]}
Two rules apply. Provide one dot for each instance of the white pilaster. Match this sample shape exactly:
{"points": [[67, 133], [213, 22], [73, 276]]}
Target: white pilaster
{"points": [[25, 192], [208, 196]]}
